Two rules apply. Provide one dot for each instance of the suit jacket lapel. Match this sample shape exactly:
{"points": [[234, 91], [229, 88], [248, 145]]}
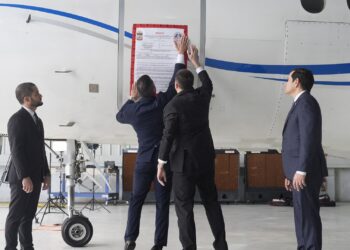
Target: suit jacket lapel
{"points": [[304, 95], [290, 112], [31, 122]]}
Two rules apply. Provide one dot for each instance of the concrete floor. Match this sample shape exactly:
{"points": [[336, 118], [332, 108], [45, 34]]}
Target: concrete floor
{"points": [[248, 227]]}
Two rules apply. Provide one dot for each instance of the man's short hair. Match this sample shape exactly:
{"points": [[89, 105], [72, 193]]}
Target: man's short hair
{"points": [[185, 79], [23, 90], [145, 86], [305, 76]]}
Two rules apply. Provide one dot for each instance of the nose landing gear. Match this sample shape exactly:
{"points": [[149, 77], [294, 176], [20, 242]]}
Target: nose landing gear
{"points": [[76, 230]]}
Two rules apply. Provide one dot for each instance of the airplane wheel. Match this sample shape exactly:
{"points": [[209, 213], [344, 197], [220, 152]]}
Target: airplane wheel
{"points": [[77, 231]]}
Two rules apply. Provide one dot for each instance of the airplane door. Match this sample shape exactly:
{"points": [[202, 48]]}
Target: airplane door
{"points": [[324, 43]]}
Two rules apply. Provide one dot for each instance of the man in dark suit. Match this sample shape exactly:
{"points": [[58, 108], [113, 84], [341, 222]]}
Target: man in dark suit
{"points": [[187, 143], [304, 161], [28, 169], [144, 111]]}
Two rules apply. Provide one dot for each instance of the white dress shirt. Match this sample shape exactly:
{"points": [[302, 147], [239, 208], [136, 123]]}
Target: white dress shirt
{"points": [[180, 58], [298, 95]]}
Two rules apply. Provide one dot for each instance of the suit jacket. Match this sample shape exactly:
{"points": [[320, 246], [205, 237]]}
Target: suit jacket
{"points": [[27, 148], [302, 139], [187, 132], [145, 116]]}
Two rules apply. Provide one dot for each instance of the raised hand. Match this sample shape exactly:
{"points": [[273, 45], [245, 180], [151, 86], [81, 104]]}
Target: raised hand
{"points": [[134, 95], [193, 56], [181, 44]]}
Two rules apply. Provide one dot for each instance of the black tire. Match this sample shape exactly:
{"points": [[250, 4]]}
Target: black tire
{"points": [[77, 231]]}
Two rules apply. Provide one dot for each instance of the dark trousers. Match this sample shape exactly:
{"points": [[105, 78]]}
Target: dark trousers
{"points": [[184, 186], [144, 175], [308, 226], [20, 217]]}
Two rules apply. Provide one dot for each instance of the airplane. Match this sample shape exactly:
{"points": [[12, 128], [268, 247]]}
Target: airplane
{"points": [[248, 47]]}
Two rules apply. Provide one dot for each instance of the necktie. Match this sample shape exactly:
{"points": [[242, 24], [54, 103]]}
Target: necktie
{"points": [[36, 120]]}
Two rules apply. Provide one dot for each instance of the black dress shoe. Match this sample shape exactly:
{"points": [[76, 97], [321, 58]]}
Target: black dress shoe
{"points": [[130, 245], [156, 247]]}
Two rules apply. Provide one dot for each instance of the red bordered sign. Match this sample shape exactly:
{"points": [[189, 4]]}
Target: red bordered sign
{"points": [[139, 36]]}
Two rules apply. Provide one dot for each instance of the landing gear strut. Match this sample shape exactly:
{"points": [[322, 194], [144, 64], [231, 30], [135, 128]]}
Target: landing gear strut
{"points": [[76, 230]]}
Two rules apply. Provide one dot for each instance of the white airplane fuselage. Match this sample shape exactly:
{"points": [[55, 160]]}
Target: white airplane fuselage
{"points": [[250, 47]]}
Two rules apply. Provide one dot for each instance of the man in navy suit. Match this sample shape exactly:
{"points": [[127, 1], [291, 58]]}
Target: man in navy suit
{"points": [[144, 111], [303, 158], [29, 171]]}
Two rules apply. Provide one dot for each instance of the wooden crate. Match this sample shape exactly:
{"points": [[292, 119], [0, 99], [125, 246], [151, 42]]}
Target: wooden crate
{"points": [[226, 171]]}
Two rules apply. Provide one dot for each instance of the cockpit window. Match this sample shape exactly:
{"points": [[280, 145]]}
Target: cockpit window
{"points": [[348, 3], [314, 6]]}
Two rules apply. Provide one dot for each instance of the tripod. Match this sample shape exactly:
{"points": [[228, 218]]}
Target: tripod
{"points": [[59, 201], [91, 204]]}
